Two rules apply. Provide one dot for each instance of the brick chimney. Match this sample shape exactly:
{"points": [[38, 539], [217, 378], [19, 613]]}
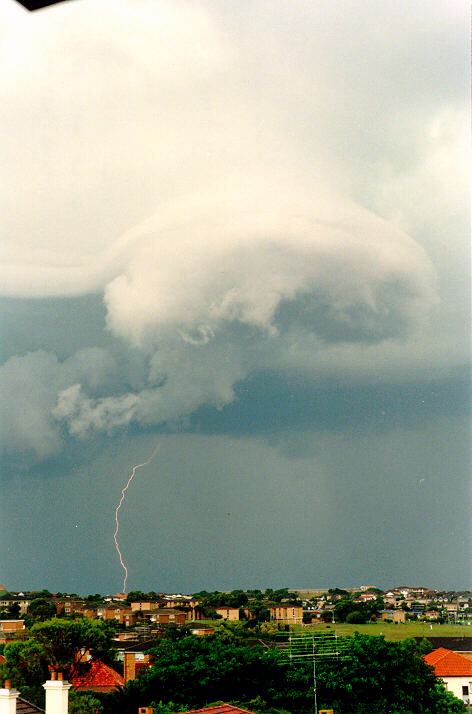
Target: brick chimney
{"points": [[8, 697], [57, 694]]}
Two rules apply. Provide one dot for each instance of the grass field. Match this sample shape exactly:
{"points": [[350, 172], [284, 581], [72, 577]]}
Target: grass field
{"points": [[391, 631]]}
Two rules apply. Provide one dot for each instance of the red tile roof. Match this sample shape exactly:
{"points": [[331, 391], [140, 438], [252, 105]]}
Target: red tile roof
{"points": [[97, 674], [447, 663], [219, 709]]}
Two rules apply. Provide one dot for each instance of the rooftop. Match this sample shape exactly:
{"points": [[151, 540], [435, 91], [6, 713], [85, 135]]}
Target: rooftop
{"points": [[447, 663], [219, 709], [97, 674]]}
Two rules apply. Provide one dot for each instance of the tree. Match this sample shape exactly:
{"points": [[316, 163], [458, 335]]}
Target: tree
{"points": [[327, 615], [135, 596], [58, 643], [94, 598], [26, 666], [357, 617], [40, 594], [65, 640], [379, 676], [84, 703], [375, 676], [194, 671], [259, 612], [41, 609]]}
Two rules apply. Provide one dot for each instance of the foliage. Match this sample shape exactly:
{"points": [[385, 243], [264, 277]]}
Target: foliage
{"points": [[338, 591], [380, 676], [194, 671], [84, 703], [35, 594], [41, 608], [12, 612], [377, 676], [328, 615], [260, 613], [364, 611], [64, 640], [55, 642], [357, 617], [26, 666], [169, 708], [139, 595]]}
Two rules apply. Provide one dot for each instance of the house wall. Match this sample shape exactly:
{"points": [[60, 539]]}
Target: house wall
{"points": [[12, 625], [228, 613], [288, 615], [455, 684]]}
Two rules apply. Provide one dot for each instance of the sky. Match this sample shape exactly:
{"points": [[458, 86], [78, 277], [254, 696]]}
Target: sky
{"points": [[237, 232]]}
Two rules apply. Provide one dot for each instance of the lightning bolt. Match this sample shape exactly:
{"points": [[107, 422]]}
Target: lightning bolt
{"points": [[117, 512]]}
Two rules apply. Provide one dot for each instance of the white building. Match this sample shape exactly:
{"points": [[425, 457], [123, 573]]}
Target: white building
{"points": [[455, 671]]}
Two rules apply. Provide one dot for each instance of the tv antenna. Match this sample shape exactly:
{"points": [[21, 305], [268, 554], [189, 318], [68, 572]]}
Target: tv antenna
{"points": [[314, 647]]}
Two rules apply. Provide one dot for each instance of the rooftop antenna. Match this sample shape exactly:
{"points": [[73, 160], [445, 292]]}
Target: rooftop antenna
{"points": [[314, 647]]}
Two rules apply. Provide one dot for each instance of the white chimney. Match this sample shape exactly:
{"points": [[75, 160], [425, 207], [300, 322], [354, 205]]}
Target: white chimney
{"points": [[57, 694], [8, 697]]}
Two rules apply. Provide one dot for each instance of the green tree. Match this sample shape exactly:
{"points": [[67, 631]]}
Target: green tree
{"points": [[14, 610], [64, 640], [84, 703], [357, 617], [27, 667], [41, 609], [375, 676], [379, 676], [194, 671], [260, 613]]}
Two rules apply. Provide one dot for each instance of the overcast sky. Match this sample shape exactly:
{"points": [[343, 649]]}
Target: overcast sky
{"points": [[238, 231]]}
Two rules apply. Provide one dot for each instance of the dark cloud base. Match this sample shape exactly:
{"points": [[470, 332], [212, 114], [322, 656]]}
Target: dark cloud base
{"points": [[271, 402]]}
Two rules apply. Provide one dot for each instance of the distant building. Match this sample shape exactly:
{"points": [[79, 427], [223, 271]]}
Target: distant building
{"points": [[8, 600], [288, 614], [394, 615], [228, 613], [11, 630], [201, 630], [219, 709], [134, 663]]}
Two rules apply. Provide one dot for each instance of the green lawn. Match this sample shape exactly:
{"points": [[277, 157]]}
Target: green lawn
{"points": [[391, 631]]}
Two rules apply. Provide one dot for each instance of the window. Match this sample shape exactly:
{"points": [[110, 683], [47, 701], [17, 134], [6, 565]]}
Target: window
{"points": [[465, 691]]}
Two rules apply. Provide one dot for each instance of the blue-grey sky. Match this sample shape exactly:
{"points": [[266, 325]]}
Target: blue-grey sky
{"points": [[238, 231]]}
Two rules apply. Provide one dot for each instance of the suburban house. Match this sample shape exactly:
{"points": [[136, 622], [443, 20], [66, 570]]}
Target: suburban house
{"points": [[288, 614], [145, 605], [12, 625], [219, 709], [122, 614], [96, 676], [228, 613], [393, 615], [21, 601], [11, 630], [167, 616], [366, 597], [135, 663], [201, 630], [455, 671], [69, 606]]}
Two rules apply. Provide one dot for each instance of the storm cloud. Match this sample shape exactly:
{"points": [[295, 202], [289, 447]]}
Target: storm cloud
{"points": [[241, 226]]}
